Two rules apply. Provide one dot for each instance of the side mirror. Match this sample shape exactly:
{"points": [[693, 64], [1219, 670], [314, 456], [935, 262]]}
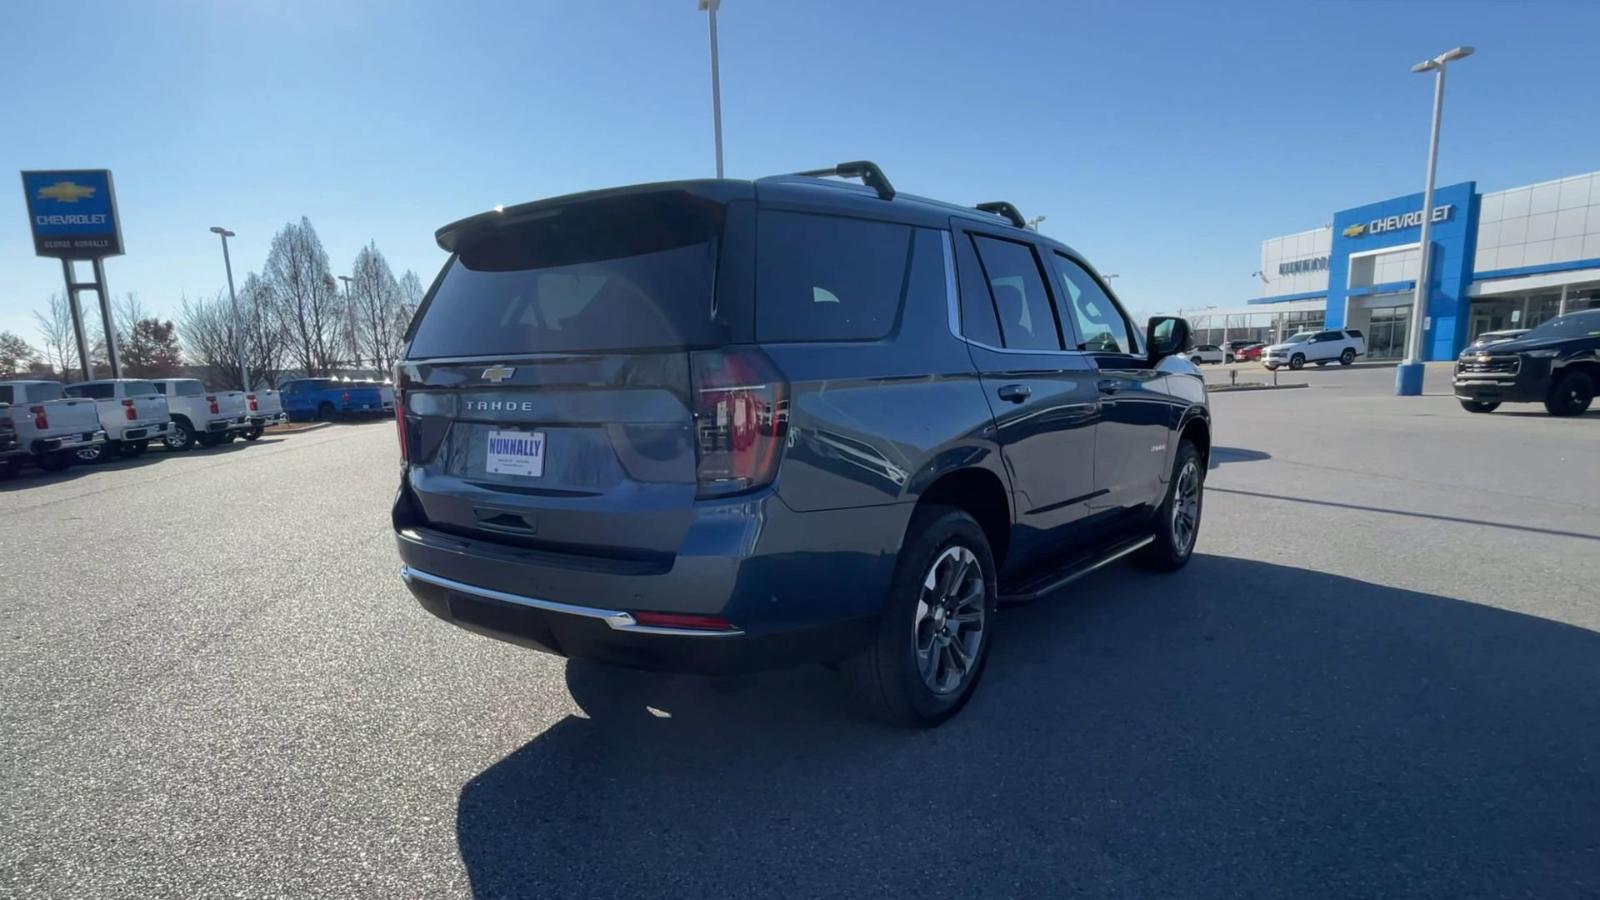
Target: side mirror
{"points": [[1166, 336]]}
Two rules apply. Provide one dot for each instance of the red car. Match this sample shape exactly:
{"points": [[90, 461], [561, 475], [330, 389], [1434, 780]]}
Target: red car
{"points": [[1244, 351]]}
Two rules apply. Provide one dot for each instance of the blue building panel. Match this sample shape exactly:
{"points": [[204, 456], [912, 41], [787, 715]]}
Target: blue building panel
{"points": [[1397, 222]]}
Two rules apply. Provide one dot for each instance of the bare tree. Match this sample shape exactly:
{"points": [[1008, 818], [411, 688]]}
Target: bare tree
{"points": [[377, 303], [266, 339], [57, 344], [411, 292], [304, 292], [16, 354], [205, 328]]}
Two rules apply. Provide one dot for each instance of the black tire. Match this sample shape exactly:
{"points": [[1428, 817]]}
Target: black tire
{"points": [[130, 450], [1270, 368], [1173, 546], [206, 439], [1297, 361], [1570, 395], [10, 468], [887, 675], [180, 438], [326, 413], [1480, 406], [56, 461], [253, 433], [1348, 357]]}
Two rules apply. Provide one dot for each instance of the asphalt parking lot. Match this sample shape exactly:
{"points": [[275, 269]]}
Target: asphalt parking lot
{"points": [[1379, 677]]}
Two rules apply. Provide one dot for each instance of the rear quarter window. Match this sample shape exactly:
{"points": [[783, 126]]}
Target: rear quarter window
{"points": [[830, 278]]}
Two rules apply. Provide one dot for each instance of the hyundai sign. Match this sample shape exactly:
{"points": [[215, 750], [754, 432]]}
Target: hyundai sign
{"points": [[73, 214]]}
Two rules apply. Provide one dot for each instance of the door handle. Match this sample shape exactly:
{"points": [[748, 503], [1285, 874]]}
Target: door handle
{"points": [[1016, 393], [1109, 385]]}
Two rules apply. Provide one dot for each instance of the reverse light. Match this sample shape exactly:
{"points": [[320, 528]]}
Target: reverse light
{"points": [[741, 413], [128, 411], [41, 421]]}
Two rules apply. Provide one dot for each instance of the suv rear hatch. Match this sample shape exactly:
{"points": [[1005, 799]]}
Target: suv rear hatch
{"points": [[549, 394]]}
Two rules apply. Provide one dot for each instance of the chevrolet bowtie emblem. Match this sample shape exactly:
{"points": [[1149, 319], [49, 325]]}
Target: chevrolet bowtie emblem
{"points": [[1355, 231], [66, 192], [498, 373]]}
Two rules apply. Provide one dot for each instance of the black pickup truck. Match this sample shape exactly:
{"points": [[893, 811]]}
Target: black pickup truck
{"points": [[1557, 364]]}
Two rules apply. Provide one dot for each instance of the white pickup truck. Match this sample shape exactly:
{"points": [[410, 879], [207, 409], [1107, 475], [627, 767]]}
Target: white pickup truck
{"points": [[49, 428], [263, 408], [132, 412], [1340, 346], [198, 415]]}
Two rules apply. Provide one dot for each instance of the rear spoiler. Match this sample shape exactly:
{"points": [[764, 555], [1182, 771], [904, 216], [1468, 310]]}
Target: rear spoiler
{"points": [[454, 236]]}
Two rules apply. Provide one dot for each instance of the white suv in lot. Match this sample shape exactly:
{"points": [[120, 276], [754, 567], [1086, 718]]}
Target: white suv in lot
{"points": [[1321, 347]]}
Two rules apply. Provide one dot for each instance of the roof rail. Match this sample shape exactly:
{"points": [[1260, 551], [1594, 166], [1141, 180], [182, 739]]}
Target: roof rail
{"points": [[864, 169], [1005, 210]]}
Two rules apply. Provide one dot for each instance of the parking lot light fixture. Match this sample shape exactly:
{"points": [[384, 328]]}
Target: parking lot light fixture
{"points": [[238, 325], [1408, 375]]}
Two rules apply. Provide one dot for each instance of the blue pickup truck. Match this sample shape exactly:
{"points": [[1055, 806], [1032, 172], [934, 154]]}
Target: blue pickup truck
{"points": [[325, 399]]}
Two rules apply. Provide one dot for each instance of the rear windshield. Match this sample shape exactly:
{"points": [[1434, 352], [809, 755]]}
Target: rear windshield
{"points": [[139, 389], [619, 273], [93, 391]]}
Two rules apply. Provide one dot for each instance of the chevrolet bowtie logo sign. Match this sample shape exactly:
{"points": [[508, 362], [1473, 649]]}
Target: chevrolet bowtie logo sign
{"points": [[1355, 231], [66, 192], [498, 374]]}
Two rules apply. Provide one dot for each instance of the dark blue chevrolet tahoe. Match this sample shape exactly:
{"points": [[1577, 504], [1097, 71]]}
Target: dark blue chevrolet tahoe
{"points": [[716, 426]]}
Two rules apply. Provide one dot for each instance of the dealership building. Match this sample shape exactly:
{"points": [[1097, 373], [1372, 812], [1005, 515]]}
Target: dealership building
{"points": [[1506, 259]]}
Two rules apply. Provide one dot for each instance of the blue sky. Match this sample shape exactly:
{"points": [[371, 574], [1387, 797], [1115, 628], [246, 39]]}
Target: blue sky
{"points": [[1163, 140]]}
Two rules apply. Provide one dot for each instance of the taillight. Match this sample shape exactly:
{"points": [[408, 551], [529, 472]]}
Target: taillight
{"points": [[400, 423], [252, 400], [40, 420], [741, 411], [213, 401], [127, 410]]}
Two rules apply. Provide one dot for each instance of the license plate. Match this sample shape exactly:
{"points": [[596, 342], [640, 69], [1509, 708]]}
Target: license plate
{"points": [[515, 453]]}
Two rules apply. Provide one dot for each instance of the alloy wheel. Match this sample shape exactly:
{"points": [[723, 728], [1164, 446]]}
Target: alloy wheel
{"points": [[950, 620], [1186, 507]]}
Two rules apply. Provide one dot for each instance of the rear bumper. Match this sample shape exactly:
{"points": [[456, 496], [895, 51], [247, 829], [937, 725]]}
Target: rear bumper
{"points": [[143, 432], [795, 589], [263, 421], [74, 441]]}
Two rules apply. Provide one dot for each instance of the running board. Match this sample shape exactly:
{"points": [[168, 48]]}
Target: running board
{"points": [[1057, 580]]}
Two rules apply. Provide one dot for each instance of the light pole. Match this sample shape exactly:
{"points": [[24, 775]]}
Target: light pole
{"points": [[1408, 376], [710, 7], [1033, 223], [238, 324], [350, 319]]}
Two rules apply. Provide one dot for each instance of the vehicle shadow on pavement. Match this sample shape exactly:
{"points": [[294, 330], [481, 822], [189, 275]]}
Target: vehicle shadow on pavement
{"points": [[1239, 728], [34, 477], [1221, 456]]}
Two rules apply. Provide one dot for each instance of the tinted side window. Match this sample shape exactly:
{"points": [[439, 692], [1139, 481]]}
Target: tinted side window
{"points": [[1020, 298], [161, 387], [190, 389], [1354, 332], [93, 391], [826, 278], [5, 394], [1100, 324]]}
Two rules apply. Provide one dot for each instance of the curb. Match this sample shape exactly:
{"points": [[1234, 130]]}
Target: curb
{"points": [[297, 427], [1230, 388]]}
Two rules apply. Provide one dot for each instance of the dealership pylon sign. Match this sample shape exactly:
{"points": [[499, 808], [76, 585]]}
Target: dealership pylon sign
{"points": [[73, 216]]}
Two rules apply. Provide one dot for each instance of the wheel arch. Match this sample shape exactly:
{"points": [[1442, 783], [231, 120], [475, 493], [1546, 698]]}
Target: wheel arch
{"points": [[980, 493], [1196, 429]]}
